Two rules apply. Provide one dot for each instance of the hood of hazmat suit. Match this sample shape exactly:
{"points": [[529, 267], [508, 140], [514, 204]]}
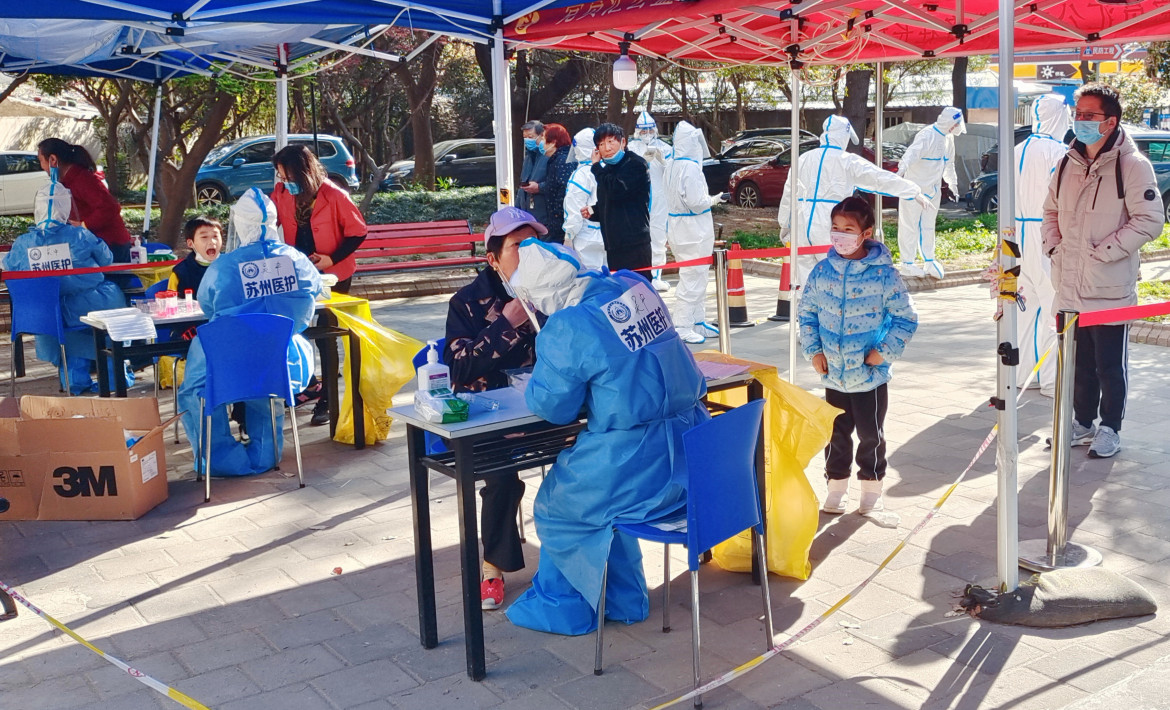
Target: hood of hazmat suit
{"points": [[548, 277], [1037, 158], [615, 354], [584, 235], [51, 245], [825, 176], [657, 153], [262, 275]]}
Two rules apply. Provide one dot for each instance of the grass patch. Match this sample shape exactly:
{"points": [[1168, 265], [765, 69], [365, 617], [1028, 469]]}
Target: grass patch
{"points": [[1154, 292]]}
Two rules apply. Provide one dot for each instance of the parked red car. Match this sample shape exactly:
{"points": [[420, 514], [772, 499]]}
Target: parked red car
{"points": [[763, 185]]}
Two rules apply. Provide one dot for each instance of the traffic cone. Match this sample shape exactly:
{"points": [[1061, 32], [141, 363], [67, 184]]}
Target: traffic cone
{"points": [[784, 297], [736, 296]]}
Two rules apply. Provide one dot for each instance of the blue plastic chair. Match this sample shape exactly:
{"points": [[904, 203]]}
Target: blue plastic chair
{"points": [[36, 310], [722, 501], [235, 373]]}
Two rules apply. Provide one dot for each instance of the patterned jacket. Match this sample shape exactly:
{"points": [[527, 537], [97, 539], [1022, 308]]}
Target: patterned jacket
{"points": [[850, 307], [481, 343]]}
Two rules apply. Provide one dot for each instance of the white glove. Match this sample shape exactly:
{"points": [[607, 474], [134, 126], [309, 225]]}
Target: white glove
{"points": [[925, 201], [651, 153], [720, 198]]}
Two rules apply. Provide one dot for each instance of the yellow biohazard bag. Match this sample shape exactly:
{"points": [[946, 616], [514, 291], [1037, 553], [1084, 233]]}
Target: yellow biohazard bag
{"points": [[165, 365], [796, 426], [386, 365]]}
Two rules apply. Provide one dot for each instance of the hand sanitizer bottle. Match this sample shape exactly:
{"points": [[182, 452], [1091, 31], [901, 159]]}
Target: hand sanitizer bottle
{"points": [[137, 252], [434, 375]]}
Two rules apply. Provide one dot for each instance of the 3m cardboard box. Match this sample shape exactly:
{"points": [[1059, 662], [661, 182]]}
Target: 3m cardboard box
{"points": [[72, 456]]}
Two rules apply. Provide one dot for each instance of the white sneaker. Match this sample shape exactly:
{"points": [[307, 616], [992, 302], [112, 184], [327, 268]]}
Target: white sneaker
{"points": [[1105, 444], [909, 269], [690, 336], [838, 496], [660, 286], [1083, 435], [871, 497], [934, 269]]}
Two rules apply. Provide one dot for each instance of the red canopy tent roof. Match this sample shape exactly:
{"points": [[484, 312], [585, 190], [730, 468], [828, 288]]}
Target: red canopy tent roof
{"points": [[833, 31]]}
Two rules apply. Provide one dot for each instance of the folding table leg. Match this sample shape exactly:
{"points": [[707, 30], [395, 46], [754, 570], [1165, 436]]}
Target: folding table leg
{"points": [[424, 563], [469, 558]]}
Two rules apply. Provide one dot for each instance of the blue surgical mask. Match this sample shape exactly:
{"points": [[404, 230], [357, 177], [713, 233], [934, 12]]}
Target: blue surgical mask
{"points": [[1088, 132], [530, 144], [53, 173], [293, 188], [616, 158]]}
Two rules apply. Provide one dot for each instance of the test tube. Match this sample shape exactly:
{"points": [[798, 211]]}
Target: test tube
{"points": [[188, 300]]}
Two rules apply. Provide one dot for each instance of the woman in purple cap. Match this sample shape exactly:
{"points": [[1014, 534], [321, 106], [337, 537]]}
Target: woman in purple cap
{"points": [[488, 333]]}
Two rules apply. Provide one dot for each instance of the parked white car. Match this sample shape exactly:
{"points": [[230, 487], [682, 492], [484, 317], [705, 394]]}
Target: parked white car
{"points": [[20, 178]]}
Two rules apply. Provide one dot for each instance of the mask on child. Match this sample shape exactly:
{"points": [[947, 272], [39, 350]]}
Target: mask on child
{"points": [[293, 188], [845, 243]]}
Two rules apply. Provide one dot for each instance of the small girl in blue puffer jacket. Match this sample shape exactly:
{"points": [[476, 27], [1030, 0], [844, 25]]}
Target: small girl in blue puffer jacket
{"points": [[855, 317]]}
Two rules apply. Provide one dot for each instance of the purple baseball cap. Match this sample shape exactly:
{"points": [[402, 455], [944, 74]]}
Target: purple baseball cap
{"points": [[508, 220]]}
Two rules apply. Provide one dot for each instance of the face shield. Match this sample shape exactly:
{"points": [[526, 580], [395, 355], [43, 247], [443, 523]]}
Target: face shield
{"points": [[253, 219], [547, 278], [583, 145], [950, 119], [645, 129], [52, 206]]}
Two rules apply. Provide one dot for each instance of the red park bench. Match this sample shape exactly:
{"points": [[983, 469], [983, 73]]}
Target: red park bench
{"points": [[408, 239]]}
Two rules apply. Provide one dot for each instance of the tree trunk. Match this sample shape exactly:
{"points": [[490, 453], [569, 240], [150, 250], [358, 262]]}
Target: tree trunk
{"points": [[959, 85], [856, 104], [178, 192], [14, 86]]}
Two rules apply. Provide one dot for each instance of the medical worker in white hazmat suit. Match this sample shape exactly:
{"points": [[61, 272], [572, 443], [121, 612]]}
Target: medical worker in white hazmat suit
{"points": [[928, 161], [1036, 160], [691, 231], [825, 176], [583, 235], [657, 154]]}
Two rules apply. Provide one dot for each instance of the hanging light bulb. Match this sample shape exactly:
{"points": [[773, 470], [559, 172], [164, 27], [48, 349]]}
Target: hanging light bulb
{"points": [[625, 70]]}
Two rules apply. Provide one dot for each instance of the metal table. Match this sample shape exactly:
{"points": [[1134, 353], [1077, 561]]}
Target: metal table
{"points": [[484, 446]]}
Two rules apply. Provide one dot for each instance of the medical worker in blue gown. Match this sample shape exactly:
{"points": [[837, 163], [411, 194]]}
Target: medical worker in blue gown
{"points": [[608, 346], [54, 244], [222, 292]]}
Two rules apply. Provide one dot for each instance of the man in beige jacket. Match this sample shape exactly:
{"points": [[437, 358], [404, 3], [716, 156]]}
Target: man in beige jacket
{"points": [[1103, 204]]}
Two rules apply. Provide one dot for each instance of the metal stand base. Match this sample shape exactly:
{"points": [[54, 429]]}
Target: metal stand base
{"points": [[1034, 556]]}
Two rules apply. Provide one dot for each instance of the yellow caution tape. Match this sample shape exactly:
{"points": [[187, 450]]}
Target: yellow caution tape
{"points": [[163, 688]]}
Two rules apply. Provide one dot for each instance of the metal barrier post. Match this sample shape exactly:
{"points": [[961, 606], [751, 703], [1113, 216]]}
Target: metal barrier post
{"points": [[721, 301], [1057, 552]]}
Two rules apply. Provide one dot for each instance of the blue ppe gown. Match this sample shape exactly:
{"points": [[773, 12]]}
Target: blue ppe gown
{"points": [[80, 294], [641, 390], [222, 293]]}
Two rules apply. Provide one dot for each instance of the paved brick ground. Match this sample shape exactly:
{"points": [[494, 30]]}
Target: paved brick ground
{"points": [[234, 602]]}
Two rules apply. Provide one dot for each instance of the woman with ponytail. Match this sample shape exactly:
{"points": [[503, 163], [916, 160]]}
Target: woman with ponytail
{"points": [[93, 205]]}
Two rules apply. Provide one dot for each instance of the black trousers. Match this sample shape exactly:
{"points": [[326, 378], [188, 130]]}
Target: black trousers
{"points": [[632, 258], [497, 528], [865, 413], [326, 317], [1102, 375]]}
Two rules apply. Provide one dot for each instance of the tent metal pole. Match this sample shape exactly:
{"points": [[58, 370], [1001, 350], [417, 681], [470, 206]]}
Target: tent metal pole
{"points": [[794, 220], [281, 96], [150, 167], [501, 115], [879, 118], [1007, 444], [313, 109]]}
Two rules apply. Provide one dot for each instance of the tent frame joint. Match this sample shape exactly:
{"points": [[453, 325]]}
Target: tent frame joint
{"points": [[1093, 37]]}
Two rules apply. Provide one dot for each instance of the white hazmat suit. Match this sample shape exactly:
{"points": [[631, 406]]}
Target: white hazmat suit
{"points": [[657, 154], [691, 231], [1036, 160], [929, 160], [825, 176], [583, 235]]}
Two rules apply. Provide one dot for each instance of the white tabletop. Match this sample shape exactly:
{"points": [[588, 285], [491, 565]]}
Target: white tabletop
{"points": [[513, 412]]}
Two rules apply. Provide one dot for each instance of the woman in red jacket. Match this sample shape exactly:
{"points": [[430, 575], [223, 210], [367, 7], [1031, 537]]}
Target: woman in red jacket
{"points": [[93, 205], [320, 220]]}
